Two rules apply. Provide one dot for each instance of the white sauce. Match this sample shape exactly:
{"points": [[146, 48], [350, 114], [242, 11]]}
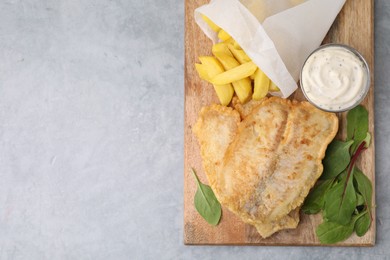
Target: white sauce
{"points": [[334, 78]]}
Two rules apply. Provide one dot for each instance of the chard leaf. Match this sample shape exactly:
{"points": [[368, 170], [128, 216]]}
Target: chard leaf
{"points": [[340, 202], [337, 158], [347, 202], [363, 224], [357, 125], [367, 140], [359, 200], [315, 200], [206, 203], [363, 186], [332, 232]]}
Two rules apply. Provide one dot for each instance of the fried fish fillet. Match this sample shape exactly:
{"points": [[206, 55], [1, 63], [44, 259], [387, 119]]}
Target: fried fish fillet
{"points": [[216, 127], [292, 219], [267, 163]]}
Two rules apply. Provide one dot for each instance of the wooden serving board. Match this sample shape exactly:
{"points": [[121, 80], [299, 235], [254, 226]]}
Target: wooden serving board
{"points": [[355, 27]]}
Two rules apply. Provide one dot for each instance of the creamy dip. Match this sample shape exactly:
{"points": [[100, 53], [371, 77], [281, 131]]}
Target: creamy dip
{"points": [[334, 78]]}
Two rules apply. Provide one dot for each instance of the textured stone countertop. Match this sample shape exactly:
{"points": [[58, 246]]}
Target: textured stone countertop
{"points": [[91, 134]]}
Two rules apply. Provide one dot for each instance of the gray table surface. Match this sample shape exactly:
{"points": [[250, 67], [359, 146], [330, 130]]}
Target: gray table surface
{"points": [[91, 134]]}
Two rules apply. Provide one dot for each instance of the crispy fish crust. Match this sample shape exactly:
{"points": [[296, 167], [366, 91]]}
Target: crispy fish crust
{"points": [[263, 167], [216, 127], [245, 109], [292, 219]]}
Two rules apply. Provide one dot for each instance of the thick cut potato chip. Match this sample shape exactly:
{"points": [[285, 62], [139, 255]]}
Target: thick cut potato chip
{"points": [[210, 23], [243, 88], [209, 68], [233, 70], [273, 87], [239, 54], [213, 64], [223, 36], [223, 54], [235, 74], [261, 85], [202, 71]]}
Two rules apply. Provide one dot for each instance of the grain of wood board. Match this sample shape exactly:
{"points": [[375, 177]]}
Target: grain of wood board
{"points": [[354, 26]]}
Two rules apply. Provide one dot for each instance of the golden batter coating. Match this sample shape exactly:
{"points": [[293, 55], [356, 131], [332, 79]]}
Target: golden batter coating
{"points": [[263, 167]]}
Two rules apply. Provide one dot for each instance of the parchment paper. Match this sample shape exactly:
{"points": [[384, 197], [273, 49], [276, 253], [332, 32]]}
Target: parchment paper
{"points": [[277, 35]]}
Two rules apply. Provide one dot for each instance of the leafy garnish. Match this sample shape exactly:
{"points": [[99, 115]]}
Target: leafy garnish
{"points": [[357, 126], [364, 187], [363, 224], [206, 203], [331, 232], [344, 192], [340, 202], [315, 200], [367, 140], [359, 200], [336, 159]]}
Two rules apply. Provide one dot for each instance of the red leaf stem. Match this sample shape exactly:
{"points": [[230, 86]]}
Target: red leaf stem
{"points": [[359, 150]]}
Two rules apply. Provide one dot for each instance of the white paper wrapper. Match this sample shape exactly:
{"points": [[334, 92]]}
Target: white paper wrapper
{"points": [[277, 35]]}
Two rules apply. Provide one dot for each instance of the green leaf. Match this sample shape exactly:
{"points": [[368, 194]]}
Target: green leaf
{"points": [[340, 202], [337, 158], [359, 200], [367, 140], [357, 125], [347, 202], [364, 186], [206, 203], [315, 200], [363, 224], [331, 232]]}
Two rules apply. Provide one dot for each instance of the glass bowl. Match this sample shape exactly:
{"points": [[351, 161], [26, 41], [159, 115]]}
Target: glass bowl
{"points": [[366, 83]]}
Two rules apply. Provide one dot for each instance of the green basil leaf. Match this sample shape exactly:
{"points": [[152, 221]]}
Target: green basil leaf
{"points": [[206, 203], [364, 186], [340, 202], [363, 224], [315, 200], [331, 232], [357, 125], [337, 158]]}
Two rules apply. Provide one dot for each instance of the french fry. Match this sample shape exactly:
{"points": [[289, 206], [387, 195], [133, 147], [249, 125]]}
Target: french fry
{"points": [[240, 55], [202, 71], [261, 85], [210, 23], [235, 74], [243, 88], [224, 93], [229, 41], [273, 87], [235, 68], [213, 64], [209, 68], [221, 48], [223, 54], [223, 36], [237, 46]]}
